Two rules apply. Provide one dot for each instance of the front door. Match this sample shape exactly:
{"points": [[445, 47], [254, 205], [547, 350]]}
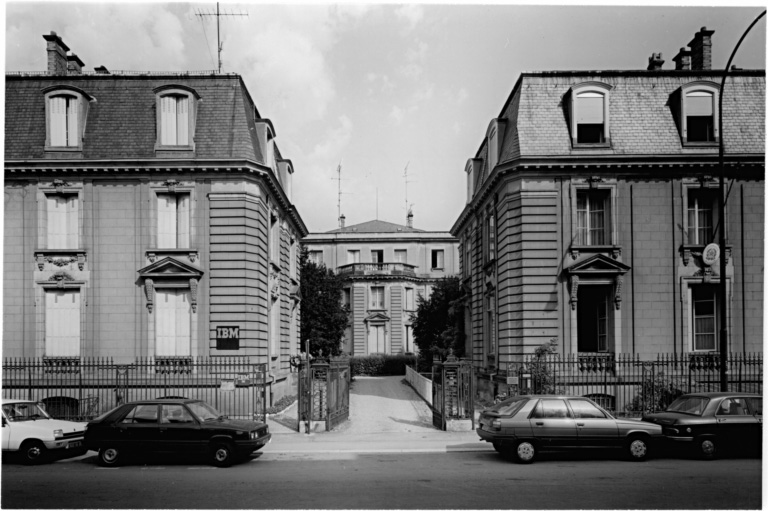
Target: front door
{"points": [[593, 318], [376, 340]]}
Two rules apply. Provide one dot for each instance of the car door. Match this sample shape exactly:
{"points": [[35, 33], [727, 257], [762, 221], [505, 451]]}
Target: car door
{"points": [[756, 431], [735, 425], [552, 424], [593, 426], [6, 432], [138, 430], [179, 431]]}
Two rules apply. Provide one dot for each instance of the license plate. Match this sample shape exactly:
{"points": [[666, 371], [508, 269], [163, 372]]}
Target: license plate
{"points": [[72, 445]]}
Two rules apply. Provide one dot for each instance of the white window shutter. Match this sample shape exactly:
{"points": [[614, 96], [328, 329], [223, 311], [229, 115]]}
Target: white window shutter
{"points": [[168, 120], [182, 220], [589, 109], [699, 104], [73, 134], [73, 223], [58, 118], [62, 323], [165, 324], [183, 323], [166, 220], [182, 121], [57, 221]]}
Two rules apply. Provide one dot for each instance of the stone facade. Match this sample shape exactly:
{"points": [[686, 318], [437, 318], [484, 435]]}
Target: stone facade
{"points": [[120, 244], [386, 268]]}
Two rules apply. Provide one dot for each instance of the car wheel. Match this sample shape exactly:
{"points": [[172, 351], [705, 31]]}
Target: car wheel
{"points": [[109, 456], [638, 448], [222, 454], [33, 452], [524, 451], [707, 448]]}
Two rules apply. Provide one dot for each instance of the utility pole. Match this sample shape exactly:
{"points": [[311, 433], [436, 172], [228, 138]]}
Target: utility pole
{"points": [[723, 309], [218, 15]]}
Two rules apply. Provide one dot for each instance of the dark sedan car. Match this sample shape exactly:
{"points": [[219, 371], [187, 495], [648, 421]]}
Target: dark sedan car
{"points": [[522, 426], [173, 426], [711, 422]]}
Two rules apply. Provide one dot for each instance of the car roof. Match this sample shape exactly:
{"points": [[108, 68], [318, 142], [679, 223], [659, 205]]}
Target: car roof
{"points": [[722, 394], [160, 401]]}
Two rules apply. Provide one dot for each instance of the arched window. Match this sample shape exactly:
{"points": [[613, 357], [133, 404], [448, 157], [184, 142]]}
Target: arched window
{"points": [[66, 110], [589, 114], [699, 121], [176, 115]]}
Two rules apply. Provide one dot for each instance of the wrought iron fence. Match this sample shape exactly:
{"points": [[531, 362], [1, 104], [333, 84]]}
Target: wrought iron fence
{"points": [[82, 388], [629, 386], [324, 392]]}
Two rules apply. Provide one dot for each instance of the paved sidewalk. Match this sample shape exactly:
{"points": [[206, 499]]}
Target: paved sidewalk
{"points": [[386, 416]]}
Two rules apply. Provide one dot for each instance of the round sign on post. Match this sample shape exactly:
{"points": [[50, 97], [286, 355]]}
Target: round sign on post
{"points": [[710, 254]]}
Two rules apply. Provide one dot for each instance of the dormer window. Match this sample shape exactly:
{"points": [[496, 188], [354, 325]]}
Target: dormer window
{"points": [[589, 115], [66, 109], [699, 108], [176, 114]]}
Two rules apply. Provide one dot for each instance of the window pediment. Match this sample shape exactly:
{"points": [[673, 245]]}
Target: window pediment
{"points": [[376, 317], [598, 264], [170, 267]]}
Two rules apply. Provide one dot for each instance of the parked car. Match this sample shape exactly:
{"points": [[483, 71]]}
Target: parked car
{"points": [[711, 422], [522, 426], [29, 431], [174, 427]]}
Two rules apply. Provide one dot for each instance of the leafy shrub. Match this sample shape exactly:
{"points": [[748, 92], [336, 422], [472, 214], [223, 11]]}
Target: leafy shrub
{"points": [[379, 364], [283, 403], [656, 393]]}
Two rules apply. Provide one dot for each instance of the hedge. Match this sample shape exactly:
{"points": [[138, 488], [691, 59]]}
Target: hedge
{"points": [[381, 365]]}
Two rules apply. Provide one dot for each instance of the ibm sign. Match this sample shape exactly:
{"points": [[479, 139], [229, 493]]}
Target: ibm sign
{"points": [[227, 337]]}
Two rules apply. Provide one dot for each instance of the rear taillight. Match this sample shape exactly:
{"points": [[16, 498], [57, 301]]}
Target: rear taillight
{"points": [[496, 424]]}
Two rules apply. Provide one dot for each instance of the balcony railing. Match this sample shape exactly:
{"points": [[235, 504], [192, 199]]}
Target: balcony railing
{"points": [[377, 269]]}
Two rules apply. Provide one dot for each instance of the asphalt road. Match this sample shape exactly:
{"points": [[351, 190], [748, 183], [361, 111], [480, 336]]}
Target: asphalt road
{"points": [[479, 480]]}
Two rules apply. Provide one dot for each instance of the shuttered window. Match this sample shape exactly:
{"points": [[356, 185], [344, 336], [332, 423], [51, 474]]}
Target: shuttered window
{"points": [[701, 217], [409, 304], [172, 323], [174, 120], [173, 220], [353, 256], [700, 116], [401, 256], [593, 211], [64, 121], [274, 328], [63, 221], [62, 323], [438, 259], [590, 118], [377, 297]]}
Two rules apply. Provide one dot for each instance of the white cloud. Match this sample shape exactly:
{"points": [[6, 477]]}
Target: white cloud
{"points": [[331, 148], [397, 114], [412, 13]]}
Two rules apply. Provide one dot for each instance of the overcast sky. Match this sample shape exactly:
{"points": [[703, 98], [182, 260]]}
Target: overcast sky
{"points": [[379, 86]]}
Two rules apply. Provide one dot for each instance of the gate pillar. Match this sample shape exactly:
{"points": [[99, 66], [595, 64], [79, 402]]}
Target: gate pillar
{"points": [[453, 395]]}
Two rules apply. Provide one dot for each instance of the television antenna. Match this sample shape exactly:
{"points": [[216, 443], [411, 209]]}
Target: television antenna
{"points": [[408, 206], [218, 15], [338, 203]]}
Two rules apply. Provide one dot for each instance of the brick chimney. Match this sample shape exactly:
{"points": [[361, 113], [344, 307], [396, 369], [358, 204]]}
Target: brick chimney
{"points": [[74, 65], [342, 220], [409, 222], [655, 62], [683, 60], [57, 54], [701, 50]]}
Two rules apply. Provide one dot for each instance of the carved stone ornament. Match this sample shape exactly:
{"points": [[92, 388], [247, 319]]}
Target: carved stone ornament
{"points": [[149, 290], [151, 256], [616, 252], [61, 261], [60, 183], [40, 259], [81, 261], [574, 253], [617, 295], [171, 184], [274, 291], [686, 256], [574, 291], [60, 278], [193, 294], [192, 257]]}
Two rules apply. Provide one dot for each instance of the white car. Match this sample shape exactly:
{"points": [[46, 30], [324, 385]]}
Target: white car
{"points": [[31, 432]]}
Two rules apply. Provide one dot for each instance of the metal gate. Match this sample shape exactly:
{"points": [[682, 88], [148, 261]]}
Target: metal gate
{"points": [[324, 392], [453, 393]]}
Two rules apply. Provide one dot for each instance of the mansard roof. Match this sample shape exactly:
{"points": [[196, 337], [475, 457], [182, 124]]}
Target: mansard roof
{"points": [[121, 119], [375, 226], [641, 110]]}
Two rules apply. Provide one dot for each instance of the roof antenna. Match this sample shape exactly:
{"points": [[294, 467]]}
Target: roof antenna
{"points": [[408, 207], [218, 15]]}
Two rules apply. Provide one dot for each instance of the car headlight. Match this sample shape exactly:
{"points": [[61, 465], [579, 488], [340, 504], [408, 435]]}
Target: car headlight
{"points": [[254, 435], [57, 433]]}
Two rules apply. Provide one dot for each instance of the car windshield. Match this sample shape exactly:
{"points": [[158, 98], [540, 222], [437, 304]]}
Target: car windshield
{"points": [[204, 411], [509, 407], [692, 405], [24, 412]]}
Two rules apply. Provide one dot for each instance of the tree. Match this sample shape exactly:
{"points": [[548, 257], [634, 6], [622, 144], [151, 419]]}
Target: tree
{"points": [[323, 317], [438, 323]]}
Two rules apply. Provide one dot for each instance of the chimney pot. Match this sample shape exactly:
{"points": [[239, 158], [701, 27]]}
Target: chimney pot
{"points": [[655, 62], [74, 64], [57, 54], [410, 219], [101, 70], [701, 50], [342, 220]]}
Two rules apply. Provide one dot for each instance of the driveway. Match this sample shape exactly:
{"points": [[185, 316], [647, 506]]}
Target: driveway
{"points": [[379, 404]]}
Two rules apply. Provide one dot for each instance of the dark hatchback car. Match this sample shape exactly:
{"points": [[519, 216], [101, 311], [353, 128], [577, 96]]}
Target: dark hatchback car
{"points": [[522, 426], [710, 423], [173, 426]]}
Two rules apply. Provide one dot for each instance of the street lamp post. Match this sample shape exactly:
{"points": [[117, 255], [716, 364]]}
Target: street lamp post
{"points": [[721, 213]]}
